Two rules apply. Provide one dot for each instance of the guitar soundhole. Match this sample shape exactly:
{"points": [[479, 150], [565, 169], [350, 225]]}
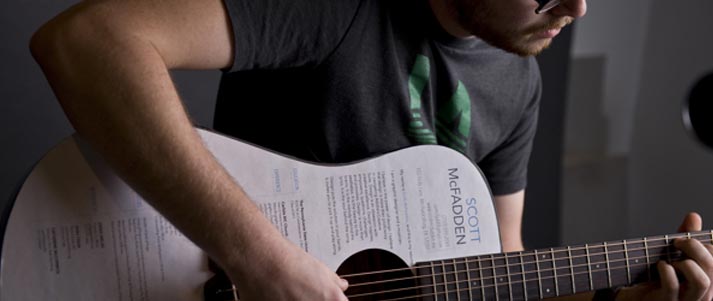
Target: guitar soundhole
{"points": [[219, 287], [378, 275], [372, 274]]}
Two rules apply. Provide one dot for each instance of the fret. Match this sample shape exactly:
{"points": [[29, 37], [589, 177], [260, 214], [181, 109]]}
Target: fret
{"points": [[496, 278], [539, 274], [446, 282], [470, 282], [530, 274], [507, 272], [524, 277], [487, 277], [637, 253], [617, 264], [563, 284], [554, 271], [454, 280], [599, 270], [581, 268], [461, 276], [659, 249], [544, 276], [606, 256], [668, 254], [628, 267], [571, 270], [435, 283], [482, 279], [589, 268], [648, 263]]}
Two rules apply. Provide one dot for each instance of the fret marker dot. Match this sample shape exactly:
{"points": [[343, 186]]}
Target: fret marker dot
{"points": [[544, 256], [475, 283], [501, 280], [637, 261], [597, 266], [547, 290]]}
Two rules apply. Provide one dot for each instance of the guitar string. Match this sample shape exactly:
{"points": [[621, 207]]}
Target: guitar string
{"points": [[443, 264], [676, 255], [554, 258], [478, 287], [470, 288], [553, 252], [482, 280]]}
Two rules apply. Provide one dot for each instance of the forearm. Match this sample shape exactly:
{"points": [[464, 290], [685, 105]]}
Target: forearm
{"points": [[509, 209], [116, 90]]}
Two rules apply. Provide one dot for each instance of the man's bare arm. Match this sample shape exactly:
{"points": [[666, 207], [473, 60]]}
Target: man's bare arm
{"points": [[508, 209], [108, 63]]}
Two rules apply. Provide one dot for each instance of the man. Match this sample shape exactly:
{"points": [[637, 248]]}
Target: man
{"points": [[367, 76]]}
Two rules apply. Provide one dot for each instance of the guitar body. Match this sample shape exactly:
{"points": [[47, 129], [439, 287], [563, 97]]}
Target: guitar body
{"points": [[77, 232]]}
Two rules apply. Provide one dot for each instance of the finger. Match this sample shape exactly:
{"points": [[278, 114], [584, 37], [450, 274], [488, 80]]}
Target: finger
{"points": [[343, 297], [692, 222], [697, 281], [709, 294], [700, 254], [695, 250], [343, 284], [669, 281]]}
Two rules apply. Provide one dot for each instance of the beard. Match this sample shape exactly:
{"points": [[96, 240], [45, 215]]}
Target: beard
{"points": [[483, 21]]}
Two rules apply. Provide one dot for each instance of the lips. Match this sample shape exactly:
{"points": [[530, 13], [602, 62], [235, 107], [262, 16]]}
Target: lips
{"points": [[548, 33], [551, 29]]}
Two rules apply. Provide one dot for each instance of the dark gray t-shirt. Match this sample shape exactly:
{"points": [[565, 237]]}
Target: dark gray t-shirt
{"points": [[343, 80]]}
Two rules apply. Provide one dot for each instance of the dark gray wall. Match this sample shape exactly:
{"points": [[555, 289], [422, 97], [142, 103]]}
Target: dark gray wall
{"points": [[541, 222], [630, 167], [32, 122], [670, 173]]}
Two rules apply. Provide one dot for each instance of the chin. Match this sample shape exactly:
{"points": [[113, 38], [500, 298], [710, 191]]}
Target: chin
{"points": [[524, 49], [522, 45], [535, 48]]}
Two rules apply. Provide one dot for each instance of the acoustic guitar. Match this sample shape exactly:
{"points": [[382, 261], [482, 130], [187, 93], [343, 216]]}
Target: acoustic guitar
{"points": [[415, 224]]}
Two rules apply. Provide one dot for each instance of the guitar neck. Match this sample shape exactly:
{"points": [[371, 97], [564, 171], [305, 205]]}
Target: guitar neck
{"points": [[545, 273]]}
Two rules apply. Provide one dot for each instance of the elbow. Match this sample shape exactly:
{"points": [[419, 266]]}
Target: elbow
{"points": [[43, 41], [54, 39], [71, 38]]}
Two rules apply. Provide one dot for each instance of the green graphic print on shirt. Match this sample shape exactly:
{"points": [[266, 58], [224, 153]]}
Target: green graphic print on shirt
{"points": [[452, 119]]}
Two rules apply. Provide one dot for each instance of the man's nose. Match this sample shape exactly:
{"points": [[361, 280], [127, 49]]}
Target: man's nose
{"points": [[572, 8]]}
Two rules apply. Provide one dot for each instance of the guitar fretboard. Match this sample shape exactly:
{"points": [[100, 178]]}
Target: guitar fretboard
{"points": [[544, 273]]}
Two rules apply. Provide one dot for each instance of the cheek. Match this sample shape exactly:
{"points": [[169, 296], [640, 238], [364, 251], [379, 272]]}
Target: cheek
{"points": [[515, 21]]}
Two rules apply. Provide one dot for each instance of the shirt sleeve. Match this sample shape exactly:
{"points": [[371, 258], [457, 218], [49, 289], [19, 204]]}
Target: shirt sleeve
{"points": [[270, 34], [506, 167]]}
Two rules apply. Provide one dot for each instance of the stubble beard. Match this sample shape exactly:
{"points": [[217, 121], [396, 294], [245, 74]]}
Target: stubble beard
{"points": [[479, 19]]}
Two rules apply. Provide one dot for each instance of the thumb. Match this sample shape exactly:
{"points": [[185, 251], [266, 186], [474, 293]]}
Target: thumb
{"points": [[692, 222], [343, 283]]}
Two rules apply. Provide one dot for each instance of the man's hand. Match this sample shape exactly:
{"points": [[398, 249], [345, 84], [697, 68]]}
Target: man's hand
{"points": [[696, 270], [279, 270]]}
